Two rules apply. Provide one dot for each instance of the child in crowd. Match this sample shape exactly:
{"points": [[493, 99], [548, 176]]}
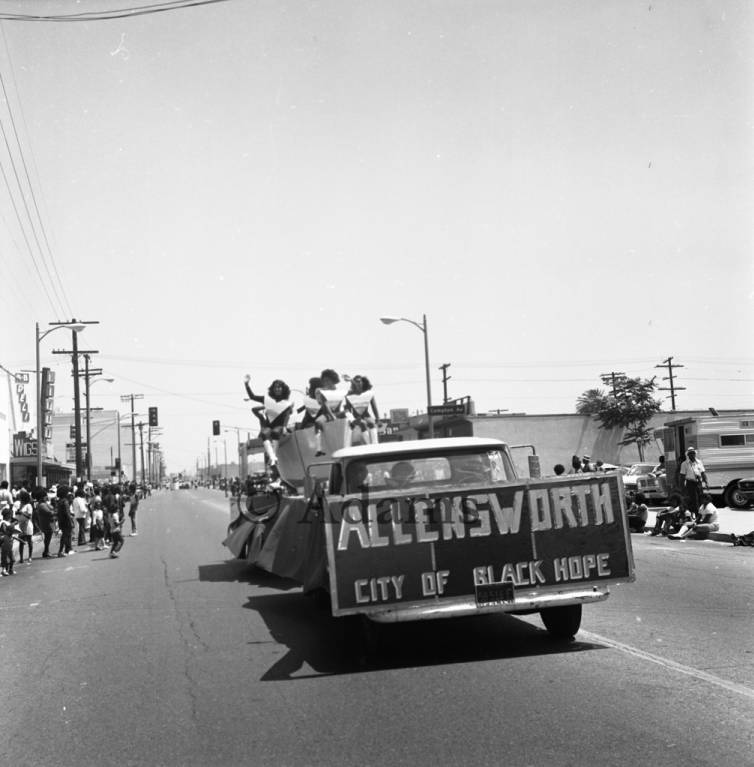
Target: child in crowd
{"points": [[116, 531], [98, 524], [25, 527], [8, 529]]}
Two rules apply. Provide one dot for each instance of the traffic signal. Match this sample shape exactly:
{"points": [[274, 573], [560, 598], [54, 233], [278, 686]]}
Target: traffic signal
{"points": [[153, 416], [216, 428]]}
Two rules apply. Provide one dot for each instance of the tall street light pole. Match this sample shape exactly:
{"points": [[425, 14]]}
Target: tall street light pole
{"points": [[88, 383], [125, 398], [76, 396], [423, 328], [76, 327]]}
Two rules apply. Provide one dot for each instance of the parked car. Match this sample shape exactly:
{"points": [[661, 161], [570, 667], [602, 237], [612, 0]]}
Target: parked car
{"points": [[641, 478], [742, 494]]}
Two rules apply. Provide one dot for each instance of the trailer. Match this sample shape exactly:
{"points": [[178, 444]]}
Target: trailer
{"points": [[725, 445]]}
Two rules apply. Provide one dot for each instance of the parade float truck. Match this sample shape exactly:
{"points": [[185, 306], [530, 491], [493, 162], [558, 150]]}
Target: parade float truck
{"points": [[438, 528]]}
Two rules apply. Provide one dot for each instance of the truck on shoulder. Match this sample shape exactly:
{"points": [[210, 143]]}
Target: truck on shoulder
{"points": [[438, 528], [725, 444]]}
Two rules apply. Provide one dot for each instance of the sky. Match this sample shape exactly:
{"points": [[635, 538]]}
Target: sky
{"points": [[564, 189]]}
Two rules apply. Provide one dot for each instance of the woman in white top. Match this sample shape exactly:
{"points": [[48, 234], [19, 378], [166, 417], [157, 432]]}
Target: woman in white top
{"points": [[361, 410], [274, 413], [330, 396], [314, 413]]}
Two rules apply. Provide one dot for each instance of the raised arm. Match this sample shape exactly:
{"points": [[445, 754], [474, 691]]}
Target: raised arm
{"points": [[252, 396]]}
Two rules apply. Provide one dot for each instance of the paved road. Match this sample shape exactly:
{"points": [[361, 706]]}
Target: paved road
{"points": [[171, 655]]}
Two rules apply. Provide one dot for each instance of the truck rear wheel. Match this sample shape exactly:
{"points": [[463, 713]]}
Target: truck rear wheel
{"points": [[373, 640], [562, 622], [734, 498]]}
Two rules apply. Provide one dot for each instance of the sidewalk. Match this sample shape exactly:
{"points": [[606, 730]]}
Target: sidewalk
{"points": [[730, 521]]}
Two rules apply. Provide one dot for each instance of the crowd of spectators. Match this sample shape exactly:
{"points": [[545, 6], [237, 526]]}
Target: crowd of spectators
{"points": [[89, 514]]}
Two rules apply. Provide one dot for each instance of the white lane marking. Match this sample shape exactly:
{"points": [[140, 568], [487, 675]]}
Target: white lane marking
{"points": [[217, 504], [669, 664]]}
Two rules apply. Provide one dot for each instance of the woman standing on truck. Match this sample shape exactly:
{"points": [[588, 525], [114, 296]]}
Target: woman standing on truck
{"points": [[330, 396], [314, 413], [274, 414], [361, 410]]}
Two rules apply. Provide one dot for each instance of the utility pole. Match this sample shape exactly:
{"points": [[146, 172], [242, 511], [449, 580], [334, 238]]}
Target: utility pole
{"points": [[668, 363], [445, 379], [86, 375], [76, 393], [141, 449], [126, 398], [613, 375], [209, 461], [120, 460]]}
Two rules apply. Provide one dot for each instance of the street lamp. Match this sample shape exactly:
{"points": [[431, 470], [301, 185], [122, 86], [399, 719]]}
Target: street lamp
{"points": [[89, 384], [76, 327], [423, 328]]}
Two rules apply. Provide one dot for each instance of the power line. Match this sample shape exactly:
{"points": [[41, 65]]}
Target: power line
{"points": [[57, 311], [23, 198], [116, 13], [65, 303]]}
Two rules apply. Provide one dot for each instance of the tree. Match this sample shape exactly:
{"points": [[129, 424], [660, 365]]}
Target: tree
{"points": [[630, 406], [591, 402]]}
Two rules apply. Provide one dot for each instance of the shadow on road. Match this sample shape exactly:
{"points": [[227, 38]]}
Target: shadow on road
{"points": [[324, 645], [240, 571]]}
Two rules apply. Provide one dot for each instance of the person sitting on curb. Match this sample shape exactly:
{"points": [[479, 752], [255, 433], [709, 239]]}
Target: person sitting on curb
{"points": [[637, 513], [704, 524], [666, 521]]}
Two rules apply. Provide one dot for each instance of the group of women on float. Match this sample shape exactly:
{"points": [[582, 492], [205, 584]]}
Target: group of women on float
{"points": [[325, 400]]}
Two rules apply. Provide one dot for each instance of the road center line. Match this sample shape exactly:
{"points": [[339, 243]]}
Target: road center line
{"points": [[669, 664]]}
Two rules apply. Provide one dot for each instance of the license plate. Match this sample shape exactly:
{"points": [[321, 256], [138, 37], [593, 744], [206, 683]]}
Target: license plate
{"points": [[495, 594]]}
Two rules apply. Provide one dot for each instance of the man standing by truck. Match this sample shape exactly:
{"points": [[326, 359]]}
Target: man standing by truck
{"points": [[693, 477]]}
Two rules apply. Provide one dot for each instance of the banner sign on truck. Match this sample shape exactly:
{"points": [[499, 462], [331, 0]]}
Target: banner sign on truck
{"points": [[484, 542]]}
